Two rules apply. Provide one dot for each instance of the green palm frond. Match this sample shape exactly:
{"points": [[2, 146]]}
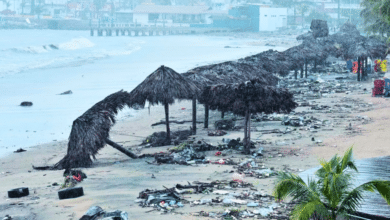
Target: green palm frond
{"points": [[305, 210], [289, 184], [347, 161]]}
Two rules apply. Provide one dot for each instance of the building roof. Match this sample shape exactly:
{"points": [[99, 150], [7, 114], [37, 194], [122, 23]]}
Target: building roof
{"points": [[171, 9]]}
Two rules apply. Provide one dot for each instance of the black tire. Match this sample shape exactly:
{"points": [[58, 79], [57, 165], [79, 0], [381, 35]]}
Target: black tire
{"points": [[18, 192], [71, 193]]}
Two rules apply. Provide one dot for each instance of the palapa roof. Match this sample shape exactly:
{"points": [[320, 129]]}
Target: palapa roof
{"points": [[163, 86], [347, 43], [271, 61], [232, 72], [254, 95], [90, 131]]}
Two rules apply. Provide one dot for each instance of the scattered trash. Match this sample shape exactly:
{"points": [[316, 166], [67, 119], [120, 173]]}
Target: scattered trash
{"points": [[217, 133], [95, 212], [227, 124]]}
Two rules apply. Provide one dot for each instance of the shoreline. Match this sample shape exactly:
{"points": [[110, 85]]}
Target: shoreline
{"points": [[24, 134], [114, 181]]}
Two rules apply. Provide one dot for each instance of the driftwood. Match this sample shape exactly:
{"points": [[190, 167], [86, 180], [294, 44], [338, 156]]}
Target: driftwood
{"points": [[175, 122]]}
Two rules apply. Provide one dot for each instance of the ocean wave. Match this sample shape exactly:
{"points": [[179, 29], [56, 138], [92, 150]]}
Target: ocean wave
{"points": [[76, 43]]}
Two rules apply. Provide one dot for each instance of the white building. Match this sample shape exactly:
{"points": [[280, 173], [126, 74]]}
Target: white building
{"points": [[168, 14], [271, 19]]}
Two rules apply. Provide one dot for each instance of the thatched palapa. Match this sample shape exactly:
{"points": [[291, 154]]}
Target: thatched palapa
{"points": [[163, 86], [253, 96], [90, 132]]}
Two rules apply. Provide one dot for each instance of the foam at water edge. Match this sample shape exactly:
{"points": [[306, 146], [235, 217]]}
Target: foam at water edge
{"points": [[76, 43]]}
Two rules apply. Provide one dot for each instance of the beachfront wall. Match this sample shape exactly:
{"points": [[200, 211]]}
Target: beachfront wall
{"points": [[271, 19]]}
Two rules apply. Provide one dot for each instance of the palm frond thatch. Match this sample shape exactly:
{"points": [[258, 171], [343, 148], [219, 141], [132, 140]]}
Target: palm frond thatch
{"points": [[163, 86], [91, 130]]}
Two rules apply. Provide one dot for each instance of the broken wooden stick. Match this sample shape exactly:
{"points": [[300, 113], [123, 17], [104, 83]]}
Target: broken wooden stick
{"points": [[121, 149]]}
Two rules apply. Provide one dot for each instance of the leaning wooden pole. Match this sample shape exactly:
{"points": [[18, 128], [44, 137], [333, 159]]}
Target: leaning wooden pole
{"points": [[166, 107], [121, 149], [194, 116], [358, 70], [206, 116]]}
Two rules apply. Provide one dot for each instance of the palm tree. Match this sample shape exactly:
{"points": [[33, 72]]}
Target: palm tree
{"points": [[332, 194]]}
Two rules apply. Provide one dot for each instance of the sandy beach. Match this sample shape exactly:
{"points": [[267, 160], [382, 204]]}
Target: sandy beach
{"points": [[115, 181]]}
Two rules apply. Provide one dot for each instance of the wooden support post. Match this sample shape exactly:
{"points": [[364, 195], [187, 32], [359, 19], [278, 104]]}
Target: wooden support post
{"points": [[100, 33], [166, 107], [92, 32], [306, 67], [301, 71], [121, 149], [296, 74], [358, 70], [222, 114], [206, 116], [117, 32], [194, 116]]}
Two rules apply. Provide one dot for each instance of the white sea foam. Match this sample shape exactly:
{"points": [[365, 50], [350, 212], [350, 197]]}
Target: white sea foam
{"points": [[76, 43]]}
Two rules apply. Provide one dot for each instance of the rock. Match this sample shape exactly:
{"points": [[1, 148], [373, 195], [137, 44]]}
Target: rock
{"points": [[67, 92], [26, 104]]}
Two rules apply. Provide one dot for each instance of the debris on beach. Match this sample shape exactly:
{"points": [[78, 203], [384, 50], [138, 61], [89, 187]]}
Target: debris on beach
{"points": [[228, 198], [158, 139], [66, 92], [72, 177], [96, 213], [70, 193], [18, 192], [227, 124], [26, 104], [216, 133], [20, 150]]}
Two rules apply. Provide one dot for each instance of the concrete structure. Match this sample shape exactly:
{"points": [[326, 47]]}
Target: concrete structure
{"points": [[271, 19], [253, 17], [168, 14]]}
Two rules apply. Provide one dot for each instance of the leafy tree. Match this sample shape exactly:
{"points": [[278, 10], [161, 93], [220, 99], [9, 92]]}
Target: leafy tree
{"points": [[22, 5], [316, 15], [332, 194]]}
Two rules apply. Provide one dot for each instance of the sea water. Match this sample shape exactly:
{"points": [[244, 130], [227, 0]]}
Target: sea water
{"points": [[38, 65]]}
